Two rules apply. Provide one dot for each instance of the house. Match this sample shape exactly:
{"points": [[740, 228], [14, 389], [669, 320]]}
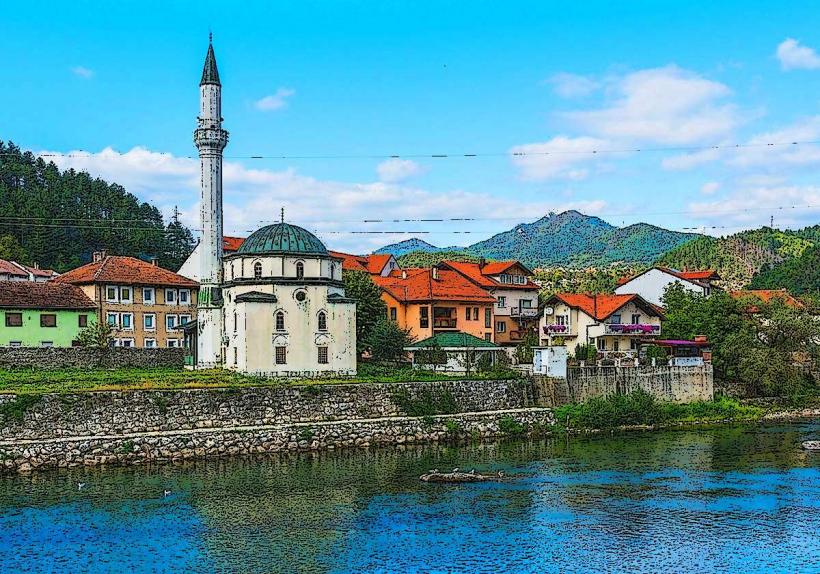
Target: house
{"points": [[516, 296], [652, 283], [374, 264], [190, 267], [13, 271], [766, 296], [614, 323], [453, 352], [428, 301], [144, 303], [43, 314], [285, 309]]}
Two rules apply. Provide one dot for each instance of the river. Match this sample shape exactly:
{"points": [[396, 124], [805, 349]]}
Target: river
{"points": [[730, 499]]}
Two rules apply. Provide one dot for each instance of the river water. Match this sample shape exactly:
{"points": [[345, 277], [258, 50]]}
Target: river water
{"points": [[739, 499]]}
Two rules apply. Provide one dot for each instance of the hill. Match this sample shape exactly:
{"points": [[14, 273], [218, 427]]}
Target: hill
{"points": [[411, 246], [800, 275], [58, 219], [740, 257]]}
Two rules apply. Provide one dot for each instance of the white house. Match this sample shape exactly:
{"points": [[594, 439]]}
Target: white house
{"points": [[652, 283]]}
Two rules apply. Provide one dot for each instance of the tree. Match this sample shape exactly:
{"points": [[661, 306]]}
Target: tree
{"points": [[523, 351], [370, 308], [387, 341], [10, 249], [98, 335]]}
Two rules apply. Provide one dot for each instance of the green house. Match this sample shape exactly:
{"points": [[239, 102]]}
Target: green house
{"points": [[43, 314]]}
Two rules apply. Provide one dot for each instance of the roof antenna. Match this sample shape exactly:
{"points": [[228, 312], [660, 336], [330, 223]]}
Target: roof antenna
{"points": [[283, 214], [210, 36]]}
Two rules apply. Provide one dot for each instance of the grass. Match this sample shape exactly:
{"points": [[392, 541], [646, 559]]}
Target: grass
{"points": [[37, 381], [640, 408]]}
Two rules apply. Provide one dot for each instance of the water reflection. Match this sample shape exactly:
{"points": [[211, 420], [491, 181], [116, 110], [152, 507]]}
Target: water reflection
{"points": [[727, 499]]}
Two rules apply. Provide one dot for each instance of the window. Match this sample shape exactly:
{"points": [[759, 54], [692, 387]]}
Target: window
{"points": [[171, 322], [424, 317], [111, 294], [601, 344], [636, 319], [562, 319], [280, 321], [323, 318], [232, 275], [333, 271], [488, 318], [394, 314], [235, 356], [281, 355], [475, 313], [148, 295], [82, 320], [184, 319], [113, 319], [170, 297], [502, 302], [47, 344], [300, 270], [184, 297], [14, 319], [235, 324], [322, 355], [127, 321], [125, 295], [257, 270], [173, 343], [615, 319], [48, 320], [500, 327], [633, 345], [488, 337], [150, 343], [300, 296], [616, 345], [526, 303], [468, 314], [149, 321]]}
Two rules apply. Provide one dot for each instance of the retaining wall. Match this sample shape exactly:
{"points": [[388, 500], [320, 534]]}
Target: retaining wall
{"points": [[86, 357]]}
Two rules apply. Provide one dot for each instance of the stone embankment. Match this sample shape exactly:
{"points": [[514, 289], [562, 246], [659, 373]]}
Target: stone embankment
{"points": [[134, 427]]}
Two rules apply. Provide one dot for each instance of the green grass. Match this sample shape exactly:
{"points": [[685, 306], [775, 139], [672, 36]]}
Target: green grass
{"points": [[37, 381], [640, 408]]}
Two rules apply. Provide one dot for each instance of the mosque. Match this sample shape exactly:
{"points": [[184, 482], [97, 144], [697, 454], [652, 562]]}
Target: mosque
{"points": [[276, 306]]}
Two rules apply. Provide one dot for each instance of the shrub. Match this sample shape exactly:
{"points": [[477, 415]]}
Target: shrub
{"points": [[427, 402], [509, 426]]}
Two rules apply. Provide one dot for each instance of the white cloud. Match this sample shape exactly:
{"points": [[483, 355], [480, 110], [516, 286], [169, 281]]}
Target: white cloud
{"points": [[710, 188], [396, 169], [666, 105], [277, 101], [82, 72], [569, 85], [689, 160], [559, 158], [791, 206], [332, 209], [793, 56], [785, 154]]}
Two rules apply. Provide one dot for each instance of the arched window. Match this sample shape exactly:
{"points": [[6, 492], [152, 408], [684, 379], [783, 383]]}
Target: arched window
{"points": [[280, 321], [300, 270], [322, 321], [257, 270], [232, 271], [333, 271]]}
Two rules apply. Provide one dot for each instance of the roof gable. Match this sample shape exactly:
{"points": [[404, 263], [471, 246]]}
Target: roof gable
{"points": [[483, 275], [601, 306], [125, 271], [418, 284]]}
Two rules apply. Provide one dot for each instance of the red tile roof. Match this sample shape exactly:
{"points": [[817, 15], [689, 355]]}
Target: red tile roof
{"points": [[419, 285], [7, 267], [767, 295], [483, 276], [373, 264], [601, 306], [231, 244], [377, 261], [51, 295], [124, 271]]}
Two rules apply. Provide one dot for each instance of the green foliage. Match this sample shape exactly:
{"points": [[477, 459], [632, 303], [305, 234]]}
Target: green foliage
{"points": [[432, 355], [426, 402], [586, 353], [370, 309], [15, 409], [306, 434], [453, 427], [98, 334], [127, 447], [509, 426], [386, 341], [11, 250], [431, 258], [31, 188], [799, 275], [523, 351]]}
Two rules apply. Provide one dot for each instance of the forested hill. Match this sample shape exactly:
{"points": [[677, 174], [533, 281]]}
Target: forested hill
{"points": [[58, 219], [740, 257]]}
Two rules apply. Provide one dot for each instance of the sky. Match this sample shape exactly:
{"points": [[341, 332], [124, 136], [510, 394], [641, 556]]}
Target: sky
{"points": [[552, 97]]}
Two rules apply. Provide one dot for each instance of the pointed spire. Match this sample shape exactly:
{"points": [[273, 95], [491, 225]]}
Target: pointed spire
{"points": [[210, 75]]}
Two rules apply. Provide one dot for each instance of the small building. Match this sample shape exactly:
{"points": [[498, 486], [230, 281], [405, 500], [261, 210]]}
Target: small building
{"points": [[285, 309], [144, 303], [382, 264], [515, 312], [43, 314], [613, 323], [13, 271], [682, 352], [652, 283], [432, 300], [453, 352]]}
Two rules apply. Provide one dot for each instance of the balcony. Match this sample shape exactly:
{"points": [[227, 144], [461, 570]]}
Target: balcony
{"points": [[444, 323], [524, 312], [555, 330], [628, 329]]}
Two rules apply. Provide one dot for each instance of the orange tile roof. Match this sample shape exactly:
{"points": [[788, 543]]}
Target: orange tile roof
{"points": [[482, 276], [126, 271], [767, 295], [377, 261], [601, 306], [373, 264], [50, 295], [231, 244], [419, 285]]}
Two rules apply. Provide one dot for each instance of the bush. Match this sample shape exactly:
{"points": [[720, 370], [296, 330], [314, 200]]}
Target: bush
{"points": [[509, 426], [427, 402]]}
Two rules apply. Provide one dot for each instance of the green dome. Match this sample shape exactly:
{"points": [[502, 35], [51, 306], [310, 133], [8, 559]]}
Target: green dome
{"points": [[282, 238]]}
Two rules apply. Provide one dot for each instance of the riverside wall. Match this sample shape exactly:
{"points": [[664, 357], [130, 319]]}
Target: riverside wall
{"points": [[89, 357]]}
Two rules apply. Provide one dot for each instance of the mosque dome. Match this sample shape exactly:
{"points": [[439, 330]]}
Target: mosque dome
{"points": [[282, 239]]}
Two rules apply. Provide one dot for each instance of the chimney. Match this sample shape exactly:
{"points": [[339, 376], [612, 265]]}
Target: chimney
{"points": [[154, 261], [435, 273], [99, 256], [404, 274], [481, 263], [700, 338], [36, 265]]}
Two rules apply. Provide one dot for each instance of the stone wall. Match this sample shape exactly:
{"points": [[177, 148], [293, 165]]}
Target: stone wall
{"points": [[86, 357], [676, 384]]}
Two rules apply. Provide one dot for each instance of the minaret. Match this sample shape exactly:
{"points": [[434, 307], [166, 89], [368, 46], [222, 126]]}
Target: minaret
{"points": [[210, 140]]}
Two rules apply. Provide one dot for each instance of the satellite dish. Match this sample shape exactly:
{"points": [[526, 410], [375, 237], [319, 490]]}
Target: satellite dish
{"points": [[548, 310]]}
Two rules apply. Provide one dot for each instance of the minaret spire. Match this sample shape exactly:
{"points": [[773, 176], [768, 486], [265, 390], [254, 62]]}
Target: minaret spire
{"points": [[210, 140]]}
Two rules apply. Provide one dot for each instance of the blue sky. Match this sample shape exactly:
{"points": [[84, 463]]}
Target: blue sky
{"points": [[368, 79]]}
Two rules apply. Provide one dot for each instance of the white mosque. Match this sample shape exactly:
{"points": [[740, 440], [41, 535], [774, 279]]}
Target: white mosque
{"points": [[277, 306]]}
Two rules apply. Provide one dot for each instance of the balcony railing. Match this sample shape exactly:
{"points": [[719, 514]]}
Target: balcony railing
{"points": [[643, 329], [559, 330], [524, 312], [444, 323]]}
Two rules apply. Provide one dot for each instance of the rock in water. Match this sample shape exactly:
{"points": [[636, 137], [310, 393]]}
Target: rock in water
{"points": [[811, 444]]}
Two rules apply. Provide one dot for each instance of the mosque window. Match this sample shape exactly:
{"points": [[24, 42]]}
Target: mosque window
{"points": [[322, 321], [280, 321], [300, 296], [257, 270], [300, 270]]}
